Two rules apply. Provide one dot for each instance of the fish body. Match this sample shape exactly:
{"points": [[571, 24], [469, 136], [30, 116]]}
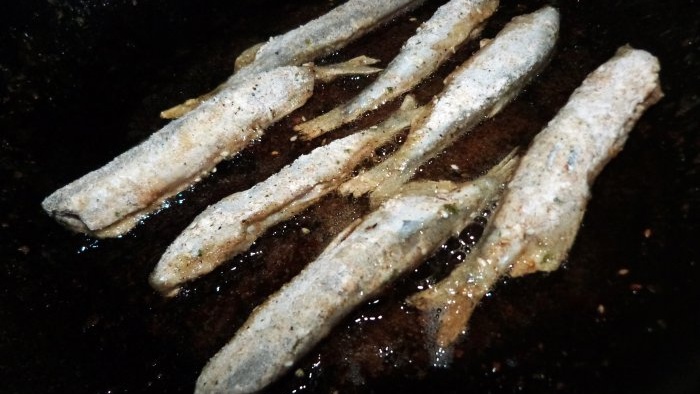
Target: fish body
{"points": [[323, 35], [230, 226], [542, 208], [476, 90], [360, 262], [317, 38], [109, 201], [435, 40]]}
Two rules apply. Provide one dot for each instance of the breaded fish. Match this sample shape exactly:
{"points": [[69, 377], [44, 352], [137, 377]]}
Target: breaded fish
{"points": [[477, 90], [435, 40], [541, 212], [111, 200], [317, 38], [359, 263], [234, 223]]}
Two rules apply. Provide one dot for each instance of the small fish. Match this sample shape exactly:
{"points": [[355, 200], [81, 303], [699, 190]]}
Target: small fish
{"points": [[477, 90], [434, 42], [111, 200], [234, 223], [536, 223], [319, 37], [358, 263]]}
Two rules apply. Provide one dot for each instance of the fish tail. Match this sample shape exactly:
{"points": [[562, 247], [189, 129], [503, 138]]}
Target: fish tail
{"points": [[247, 57], [445, 315], [505, 168], [321, 124]]}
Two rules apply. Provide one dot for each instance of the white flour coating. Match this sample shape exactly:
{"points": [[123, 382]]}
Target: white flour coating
{"points": [[361, 261], [549, 194], [541, 212], [478, 89], [323, 35], [84, 207], [434, 42], [234, 223], [109, 201], [317, 38]]}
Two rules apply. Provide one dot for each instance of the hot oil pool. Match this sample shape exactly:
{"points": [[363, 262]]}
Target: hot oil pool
{"points": [[87, 81]]}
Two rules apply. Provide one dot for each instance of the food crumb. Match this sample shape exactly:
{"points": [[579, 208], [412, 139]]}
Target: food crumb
{"points": [[601, 309], [294, 138], [274, 153], [623, 272], [647, 233], [305, 230]]}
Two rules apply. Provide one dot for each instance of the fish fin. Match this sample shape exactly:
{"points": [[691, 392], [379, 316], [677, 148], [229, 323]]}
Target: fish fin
{"points": [[321, 124], [181, 109], [356, 66], [445, 314], [382, 181], [371, 179], [409, 102], [247, 56], [476, 32], [339, 115], [427, 188], [546, 252], [388, 188], [505, 168]]}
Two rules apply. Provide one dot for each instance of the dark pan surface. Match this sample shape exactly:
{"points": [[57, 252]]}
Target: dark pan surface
{"points": [[84, 80]]}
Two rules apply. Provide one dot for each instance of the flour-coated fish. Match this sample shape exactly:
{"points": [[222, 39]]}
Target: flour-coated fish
{"points": [[111, 200], [359, 263], [434, 42], [536, 223], [231, 225], [317, 38], [477, 90]]}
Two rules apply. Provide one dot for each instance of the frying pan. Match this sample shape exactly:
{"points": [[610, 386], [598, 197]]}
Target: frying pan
{"points": [[84, 80]]}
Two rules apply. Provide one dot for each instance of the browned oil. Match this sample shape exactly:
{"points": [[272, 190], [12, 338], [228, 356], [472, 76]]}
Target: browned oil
{"points": [[86, 80]]}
